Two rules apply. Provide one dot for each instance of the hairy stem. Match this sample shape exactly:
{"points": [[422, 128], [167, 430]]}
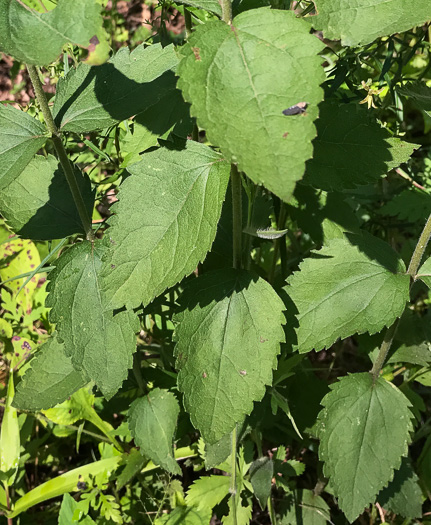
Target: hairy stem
{"points": [[61, 152], [6, 489], [280, 226], [226, 8], [235, 180], [415, 261]]}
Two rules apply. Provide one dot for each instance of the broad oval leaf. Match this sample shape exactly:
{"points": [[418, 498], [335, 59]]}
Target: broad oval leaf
{"points": [[99, 342], [152, 422], [50, 380], [91, 98], [182, 515], [21, 136], [304, 507], [228, 337], [364, 432], [240, 78], [363, 21], [37, 38], [38, 203], [357, 282], [346, 132], [165, 222]]}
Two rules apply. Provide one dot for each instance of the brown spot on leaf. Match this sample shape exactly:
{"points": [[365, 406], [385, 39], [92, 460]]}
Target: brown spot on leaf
{"points": [[285, 135], [262, 340], [196, 51], [204, 375], [243, 373], [93, 43]]}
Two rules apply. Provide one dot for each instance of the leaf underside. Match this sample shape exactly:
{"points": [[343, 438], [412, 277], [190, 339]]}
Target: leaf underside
{"points": [[358, 282], [165, 222], [364, 432], [228, 337], [362, 21], [240, 78], [99, 342]]}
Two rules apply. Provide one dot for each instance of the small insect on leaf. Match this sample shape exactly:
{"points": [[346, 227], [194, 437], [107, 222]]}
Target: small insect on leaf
{"points": [[297, 109]]}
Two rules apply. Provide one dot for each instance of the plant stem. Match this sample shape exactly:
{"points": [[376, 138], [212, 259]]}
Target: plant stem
{"points": [[226, 8], [271, 510], [61, 152], [384, 349], [280, 226], [232, 489], [412, 270], [235, 180], [420, 249], [6, 489]]}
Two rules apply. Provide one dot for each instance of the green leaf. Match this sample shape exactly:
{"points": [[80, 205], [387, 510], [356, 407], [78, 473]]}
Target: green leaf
{"points": [[186, 516], [208, 491], [99, 342], [261, 472], [38, 203], [346, 132], [228, 337], [10, 443], [364, 21], [403, 495], [70, 512], [240, 78], [91, 98], [75, 408], [364, 432], [304, 507], [216, 453], [134, 462], [21, 136], [154, 246], [419, 92], [243, 514], [424, 272], [169, 115], [209, 5], [50, 380], [152, 422], [357, 282], [411, 205], [76, 22], [67, 482]]}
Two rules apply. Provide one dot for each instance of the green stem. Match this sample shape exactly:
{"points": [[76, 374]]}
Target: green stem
{"points": [[93, 417], [412, 270], [61, 152], [280, 226], [235, 179], [384, 349], [271, 509], [232, 489], [226, 8], [415, 261]]}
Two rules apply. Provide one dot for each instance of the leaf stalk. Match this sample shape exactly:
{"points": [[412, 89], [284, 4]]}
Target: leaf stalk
{"points": [[61, 152]]}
